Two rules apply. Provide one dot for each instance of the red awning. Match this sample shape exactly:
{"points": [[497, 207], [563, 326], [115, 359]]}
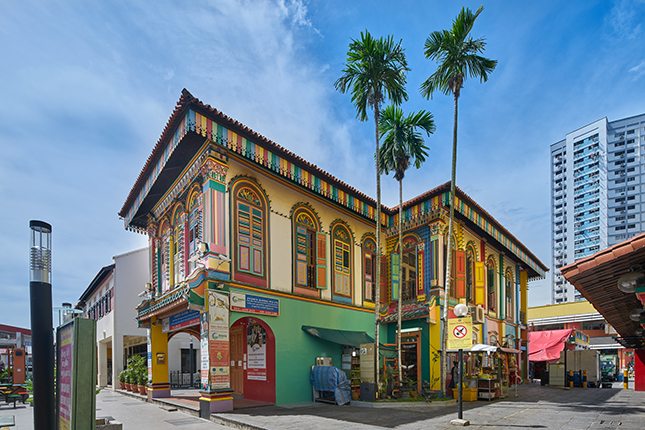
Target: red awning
{"points": [[547, 345]]}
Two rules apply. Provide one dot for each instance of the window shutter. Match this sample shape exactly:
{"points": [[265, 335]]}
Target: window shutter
{"points": [[420, 273], [395, 263], [301, 256], [460, 273], [383, 284], [321, 261], [480, 285], [368, 275]]}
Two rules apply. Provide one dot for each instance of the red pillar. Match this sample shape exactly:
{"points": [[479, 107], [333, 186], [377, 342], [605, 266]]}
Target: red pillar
{"points": [[639, 370]]}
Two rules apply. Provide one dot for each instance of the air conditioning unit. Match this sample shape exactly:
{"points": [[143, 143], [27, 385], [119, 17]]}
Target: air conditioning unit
{"points": [[477, 314]]}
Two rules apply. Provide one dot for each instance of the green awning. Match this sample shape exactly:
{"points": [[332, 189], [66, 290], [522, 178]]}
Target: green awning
{"points": [[347, 338]]}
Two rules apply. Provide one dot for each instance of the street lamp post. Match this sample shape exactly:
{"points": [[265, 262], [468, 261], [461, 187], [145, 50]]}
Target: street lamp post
{"points": [[42, 338], [461, 310]]}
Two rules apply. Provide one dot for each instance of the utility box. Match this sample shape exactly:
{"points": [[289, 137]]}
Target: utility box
{"points": [[556, 374], [585, 359]]}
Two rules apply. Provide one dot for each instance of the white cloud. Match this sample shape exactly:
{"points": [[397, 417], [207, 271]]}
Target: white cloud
{"points": [[638, 70]]}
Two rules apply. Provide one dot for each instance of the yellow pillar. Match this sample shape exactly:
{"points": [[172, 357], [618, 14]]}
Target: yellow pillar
{"points": [[435, 356], [159, 352], [625, 379], [524, 335]]}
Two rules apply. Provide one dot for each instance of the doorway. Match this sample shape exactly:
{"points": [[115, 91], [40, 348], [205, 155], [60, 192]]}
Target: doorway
{"points": [[237, 360], [411, 357]]}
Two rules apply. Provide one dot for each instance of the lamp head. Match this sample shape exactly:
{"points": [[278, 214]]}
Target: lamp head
{"points": [[461, 310], [637, 315], [628, 282]]}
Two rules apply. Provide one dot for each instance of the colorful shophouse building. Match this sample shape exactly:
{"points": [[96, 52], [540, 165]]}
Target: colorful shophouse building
{"points": [[250, 243]]}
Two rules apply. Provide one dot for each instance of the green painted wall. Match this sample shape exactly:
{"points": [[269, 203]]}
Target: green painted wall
{"points": [[296, 351], [388, 335]]}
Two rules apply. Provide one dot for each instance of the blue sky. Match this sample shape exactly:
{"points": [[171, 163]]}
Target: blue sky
{"points": [[86, 88]]}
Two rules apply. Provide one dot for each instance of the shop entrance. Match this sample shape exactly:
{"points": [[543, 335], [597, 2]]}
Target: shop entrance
{"points": [[253, 359], [237, 359], [411, 357]]}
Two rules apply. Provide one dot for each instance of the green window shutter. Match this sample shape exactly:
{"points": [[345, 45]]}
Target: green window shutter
{"points": [[395, 276], [301, 256], [321, 261]]}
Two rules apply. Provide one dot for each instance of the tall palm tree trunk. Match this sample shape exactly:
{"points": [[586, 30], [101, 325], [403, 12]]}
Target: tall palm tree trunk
{"points": [[377, 272], [398, 337], [453, 178]]}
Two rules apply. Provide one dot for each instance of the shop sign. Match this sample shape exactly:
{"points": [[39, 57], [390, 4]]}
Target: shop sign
{"points": [[65, 389], [256, 347], [255, 304], [183, 319], [460, 333], [367, 362], [218, 346]]}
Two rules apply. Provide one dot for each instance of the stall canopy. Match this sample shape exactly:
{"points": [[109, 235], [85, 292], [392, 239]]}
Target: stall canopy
{"points": [[345, 337], [547, 345]]}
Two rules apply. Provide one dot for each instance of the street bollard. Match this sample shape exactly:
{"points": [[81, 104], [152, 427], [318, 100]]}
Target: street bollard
{"points": [[584, 379], [570, 378], [625, 379]]}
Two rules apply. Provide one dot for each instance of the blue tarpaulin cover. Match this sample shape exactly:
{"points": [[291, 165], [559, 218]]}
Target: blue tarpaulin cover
{"points": [[332, 379]]}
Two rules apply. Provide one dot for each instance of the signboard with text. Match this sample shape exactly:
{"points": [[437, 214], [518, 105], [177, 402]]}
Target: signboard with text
{"points": [[460, 333], [218, 340], [76, 374], [183, 319], [253, 304]]}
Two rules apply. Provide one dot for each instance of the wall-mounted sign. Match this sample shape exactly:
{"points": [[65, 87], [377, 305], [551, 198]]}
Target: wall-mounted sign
{"points": [[218, 346], [183, 319], [252, 304], [256, 347], [460, 333]]}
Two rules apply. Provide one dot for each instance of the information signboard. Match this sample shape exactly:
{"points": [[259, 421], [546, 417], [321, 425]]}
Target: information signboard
{"points": [[460, 333], [76, 375], [253, 304]]}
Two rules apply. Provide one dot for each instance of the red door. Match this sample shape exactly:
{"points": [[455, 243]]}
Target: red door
{"points": [[237, 355]]}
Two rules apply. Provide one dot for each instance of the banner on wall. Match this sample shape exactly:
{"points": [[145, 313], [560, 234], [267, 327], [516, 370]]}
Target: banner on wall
{"points": [[218, 341], [256, 349], [252, 304], [205, 363], [183, 319]]}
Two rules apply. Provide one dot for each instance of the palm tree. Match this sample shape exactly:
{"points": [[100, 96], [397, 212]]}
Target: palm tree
{"points": [[457, 55], [402, 147], [375, 68]]}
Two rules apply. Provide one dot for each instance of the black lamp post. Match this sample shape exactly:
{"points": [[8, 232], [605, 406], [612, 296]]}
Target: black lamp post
{"points": [[460, 310], [42, 337]]}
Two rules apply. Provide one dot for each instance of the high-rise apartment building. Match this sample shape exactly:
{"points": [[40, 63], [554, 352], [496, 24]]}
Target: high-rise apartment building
{"points": [[596, 193]]}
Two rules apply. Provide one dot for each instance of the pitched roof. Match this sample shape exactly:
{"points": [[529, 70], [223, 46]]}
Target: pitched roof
{"points": [[596, 278]]}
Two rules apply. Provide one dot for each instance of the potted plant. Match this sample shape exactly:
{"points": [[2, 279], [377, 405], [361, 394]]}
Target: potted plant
{"points": [[127, 379], [122, 380], [143, 376]]}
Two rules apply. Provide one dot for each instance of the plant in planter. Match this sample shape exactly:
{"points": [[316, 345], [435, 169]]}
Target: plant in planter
{"points": [[127, 379], [143, 379], [122, 379]]}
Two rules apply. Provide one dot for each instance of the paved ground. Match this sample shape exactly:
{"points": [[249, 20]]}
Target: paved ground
{"points": [[535, 407]]}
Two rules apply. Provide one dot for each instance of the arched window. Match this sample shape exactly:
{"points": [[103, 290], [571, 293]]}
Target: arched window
{"points": [[369, 270], [178, 248], [194, 225], [491, 281], [508, 281], [250, 233], [164, 256], [342, 262], [309, 251], [409, 269], [470, 274]]}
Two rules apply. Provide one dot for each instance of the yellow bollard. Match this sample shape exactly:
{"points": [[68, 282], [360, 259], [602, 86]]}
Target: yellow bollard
{"points": [[625, 381], [570, 378], [584, 379]]}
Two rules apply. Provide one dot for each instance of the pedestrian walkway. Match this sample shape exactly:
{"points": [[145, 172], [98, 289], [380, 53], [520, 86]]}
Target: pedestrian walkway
{"points": [[535, 407]]}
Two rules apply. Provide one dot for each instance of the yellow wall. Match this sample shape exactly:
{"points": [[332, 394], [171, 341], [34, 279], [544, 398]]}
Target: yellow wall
{"points": [[562, 309], [282, 200]]}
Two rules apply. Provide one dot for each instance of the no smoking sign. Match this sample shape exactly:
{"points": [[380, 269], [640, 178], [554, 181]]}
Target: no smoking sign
{"points": [[460, 333]]}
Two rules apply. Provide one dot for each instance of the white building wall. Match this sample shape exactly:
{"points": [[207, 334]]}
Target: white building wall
{"points": [[597, 184], [132, 272]]}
